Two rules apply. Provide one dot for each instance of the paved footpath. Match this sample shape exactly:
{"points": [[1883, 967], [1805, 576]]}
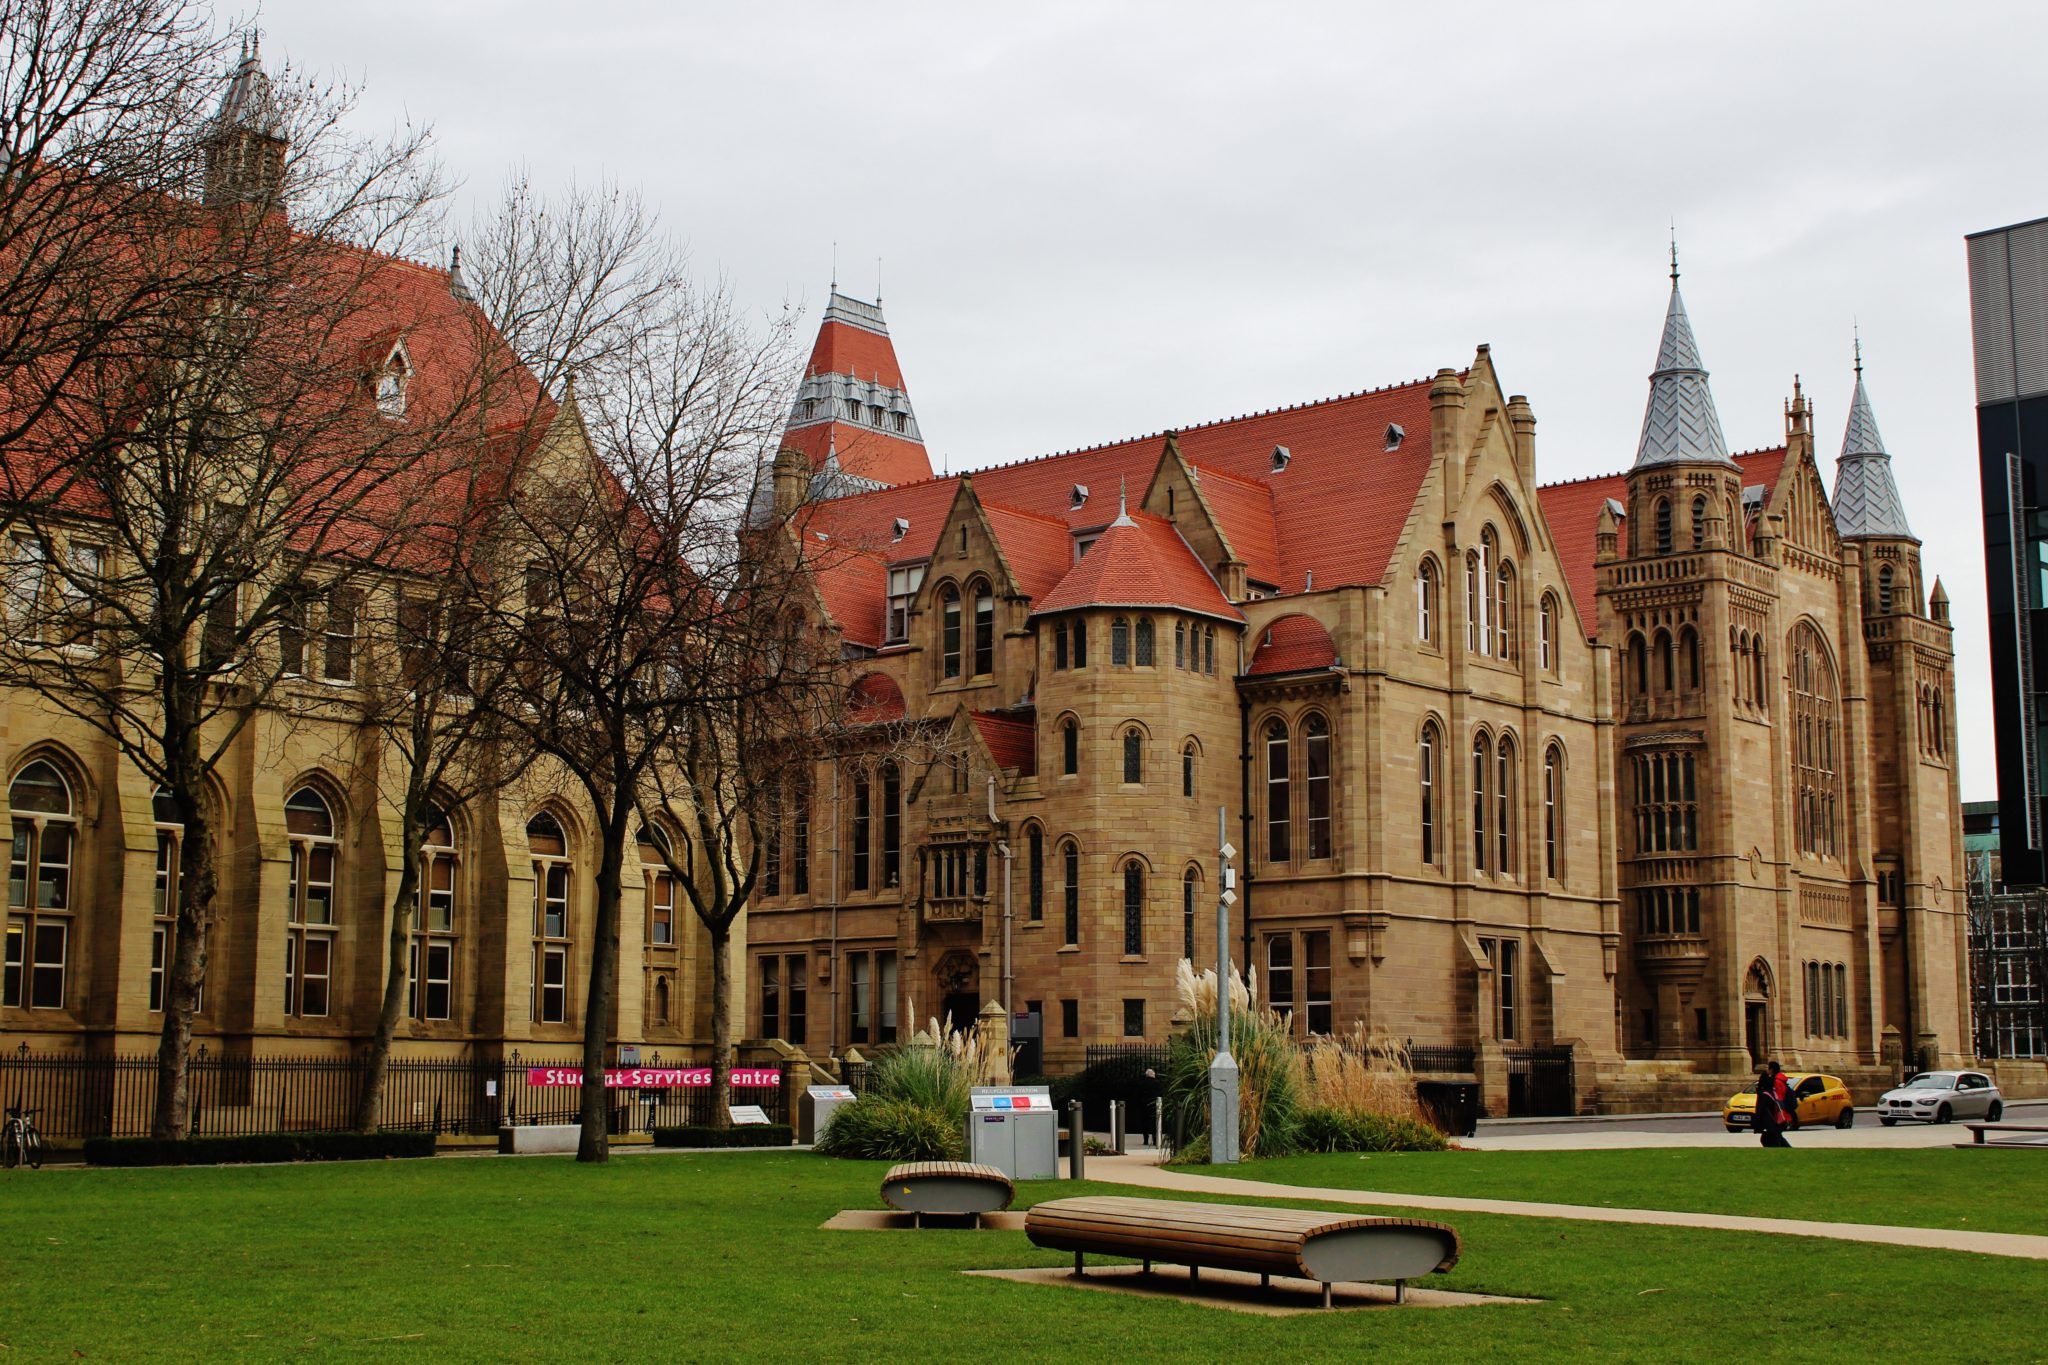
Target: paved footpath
{"points": [[1141, 1170]]}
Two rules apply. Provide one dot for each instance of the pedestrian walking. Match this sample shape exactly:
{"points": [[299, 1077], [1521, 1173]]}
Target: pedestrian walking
{"points": [[1771, 1112]]}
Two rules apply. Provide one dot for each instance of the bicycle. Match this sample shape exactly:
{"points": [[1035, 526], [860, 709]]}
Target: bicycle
{"points": [[20, 1142]]}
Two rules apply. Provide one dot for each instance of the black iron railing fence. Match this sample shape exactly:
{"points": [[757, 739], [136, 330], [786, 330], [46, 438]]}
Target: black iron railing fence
{"points": [[114, 1096]]}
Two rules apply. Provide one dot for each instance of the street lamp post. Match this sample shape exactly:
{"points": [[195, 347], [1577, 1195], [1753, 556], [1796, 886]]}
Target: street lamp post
{"points": [[1223, 1070]]}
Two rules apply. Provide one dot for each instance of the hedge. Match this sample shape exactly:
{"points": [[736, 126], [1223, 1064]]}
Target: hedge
{"points": [[746, 1135], [256, 1147]]}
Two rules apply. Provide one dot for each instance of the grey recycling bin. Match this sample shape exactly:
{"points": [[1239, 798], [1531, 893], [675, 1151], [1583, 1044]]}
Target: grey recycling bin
{"points": [[816, 1108], [1014, 1129]]}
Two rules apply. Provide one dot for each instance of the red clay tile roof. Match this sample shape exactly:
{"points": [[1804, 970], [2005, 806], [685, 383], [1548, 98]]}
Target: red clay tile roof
{"points": [[870, 454], [874, 698], [842, 348], [1011, 739], [1141, 562], [855, 587], [1343, 498], [1293, 644], [1244, 511], [1572, 511], [1038, 549]]}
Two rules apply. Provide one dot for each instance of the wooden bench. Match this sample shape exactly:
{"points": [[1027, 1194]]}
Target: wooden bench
{"points": [[957, 1189], [1978, 1130], [1329, 1248]]}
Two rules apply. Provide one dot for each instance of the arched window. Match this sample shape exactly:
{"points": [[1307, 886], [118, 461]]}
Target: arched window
{"points": [[1546, 633], [661, 1002], [1209, 650], [1663, 526], [1504, 610], [1187, 769], [1134, 755], [1553, 813], [1504, 821], [309, 904], [1638, 666], [892, 824], [1070, 746], [1144, 650], [1189, 881], [661, 886], [1120, 642], [1180, 644], [1689, 658], [1034, 873], [1666, 667], [553, 873], [949, 631], [39, 891], [1760, 676], [1427, 777], [163, 937], [863, 828], [1316, 743], [984, 630], [1279, 796], [1815, 706], [1699, 523], [431, 962], [1070, 889], [1884, 588], [1077, 629], [1478, 632], [1482, 772], [1428, 601], [1134, 908]]}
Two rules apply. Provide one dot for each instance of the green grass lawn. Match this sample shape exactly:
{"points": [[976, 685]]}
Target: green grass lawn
{"points": [[720, 1257], [1987, 1191]]}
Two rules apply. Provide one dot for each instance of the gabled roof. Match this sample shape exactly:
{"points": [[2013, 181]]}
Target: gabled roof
{"points": [[854, 341], [1292, 644], [854, 362], [1038, 549], [1140, 561], [1866, 501], [1679, 422], [1011, 739], [1244, 513]]}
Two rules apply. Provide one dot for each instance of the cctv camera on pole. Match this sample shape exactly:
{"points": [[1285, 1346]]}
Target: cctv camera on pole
{"points": [[1223, 1071]]}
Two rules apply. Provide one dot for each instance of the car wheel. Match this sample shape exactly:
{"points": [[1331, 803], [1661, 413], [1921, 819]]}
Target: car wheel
{"points": [[1944, 1115], [1886, 1119], [1846, 1119], [1996, 1111]]}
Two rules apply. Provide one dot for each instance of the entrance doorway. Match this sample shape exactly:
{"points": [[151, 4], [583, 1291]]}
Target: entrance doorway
{"points": [[958, 978], [1756, 1012]]}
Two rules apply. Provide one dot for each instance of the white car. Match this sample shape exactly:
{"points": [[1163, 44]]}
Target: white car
{"points": [[1942, 1096]]}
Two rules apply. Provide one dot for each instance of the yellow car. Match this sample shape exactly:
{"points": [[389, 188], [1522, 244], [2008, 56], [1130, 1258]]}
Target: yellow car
{"points": [[1821, 1099]]}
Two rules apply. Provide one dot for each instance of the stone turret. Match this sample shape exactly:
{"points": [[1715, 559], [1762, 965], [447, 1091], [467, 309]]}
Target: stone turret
{"points": [[245, 149]]}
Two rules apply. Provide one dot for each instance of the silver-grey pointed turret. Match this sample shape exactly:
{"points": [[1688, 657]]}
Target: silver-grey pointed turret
{"points": [[1866, 502], [1680, 423]]}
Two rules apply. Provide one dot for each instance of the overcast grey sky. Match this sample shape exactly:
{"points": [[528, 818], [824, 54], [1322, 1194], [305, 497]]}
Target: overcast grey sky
{"points": [[1098, 220]]}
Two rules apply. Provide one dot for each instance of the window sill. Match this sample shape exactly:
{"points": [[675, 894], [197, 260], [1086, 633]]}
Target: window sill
{"points": [[1137, 959], [1069, 948]]}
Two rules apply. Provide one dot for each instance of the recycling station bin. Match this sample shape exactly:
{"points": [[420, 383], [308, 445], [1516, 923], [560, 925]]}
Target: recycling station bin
{"points": [[816, 1108], [1014, 1129]]}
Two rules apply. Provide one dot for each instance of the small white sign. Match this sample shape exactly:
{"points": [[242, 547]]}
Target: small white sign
{"points": [[744, 1114], [490, 1090]]}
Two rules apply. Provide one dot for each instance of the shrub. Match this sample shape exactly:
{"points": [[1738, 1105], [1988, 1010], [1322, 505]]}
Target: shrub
{"points": [[1361, 1074], [1269, 1068], [1326, 1129], [882, 1129], [747, 1135], [257, 1147], [930, 1077]]}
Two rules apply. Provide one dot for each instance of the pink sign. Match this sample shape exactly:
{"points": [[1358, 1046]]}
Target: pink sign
{"points": [[656, 1077]]}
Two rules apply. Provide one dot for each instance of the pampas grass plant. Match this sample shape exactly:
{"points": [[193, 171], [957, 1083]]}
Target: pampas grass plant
{"points": [[1269, 1067]]}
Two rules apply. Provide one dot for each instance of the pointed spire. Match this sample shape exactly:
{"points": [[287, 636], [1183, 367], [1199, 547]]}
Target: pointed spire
{"points": [[1679, 423], [458, 288], [247, 102], [1123, 508], [1866, 501]]}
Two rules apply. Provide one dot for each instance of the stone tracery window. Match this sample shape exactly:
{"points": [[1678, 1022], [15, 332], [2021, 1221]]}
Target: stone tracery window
{"points": [[1815, 707], [39, 888], [1667, 802], [309, 904]]}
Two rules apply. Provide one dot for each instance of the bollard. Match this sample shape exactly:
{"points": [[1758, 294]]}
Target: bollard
{"points": [[1116, 1126], [1158, 1123], [1077, 1144]]}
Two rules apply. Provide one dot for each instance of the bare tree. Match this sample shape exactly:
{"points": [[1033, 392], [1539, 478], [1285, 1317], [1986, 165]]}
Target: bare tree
{"points": [[208, 409], [629, 556]]}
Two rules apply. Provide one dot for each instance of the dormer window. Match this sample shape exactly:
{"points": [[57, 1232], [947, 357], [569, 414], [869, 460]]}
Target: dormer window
{"points": [[900, 420], [392, 380], [1395, 435], [807, 409], [1082, 544], [1281, 455], [851, 407], [1079, 496], [903, 586]]}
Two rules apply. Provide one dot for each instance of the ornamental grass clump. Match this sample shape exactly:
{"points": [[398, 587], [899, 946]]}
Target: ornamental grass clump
{"points": [[1270, 1075], [1360, 1097], [915, 1107]]}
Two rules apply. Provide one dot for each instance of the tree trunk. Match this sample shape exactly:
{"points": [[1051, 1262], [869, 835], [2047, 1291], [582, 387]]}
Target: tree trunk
{"points": [[377, 1064], [594, 1144], [721, 1028], [172, 1117]]}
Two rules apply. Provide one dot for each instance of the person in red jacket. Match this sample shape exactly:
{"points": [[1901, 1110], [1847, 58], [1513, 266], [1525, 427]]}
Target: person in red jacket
{"points": [[1774, 1101]]}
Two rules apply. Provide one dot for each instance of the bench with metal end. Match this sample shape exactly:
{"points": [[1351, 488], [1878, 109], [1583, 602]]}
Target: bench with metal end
{"points": [[950, 1189]]}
